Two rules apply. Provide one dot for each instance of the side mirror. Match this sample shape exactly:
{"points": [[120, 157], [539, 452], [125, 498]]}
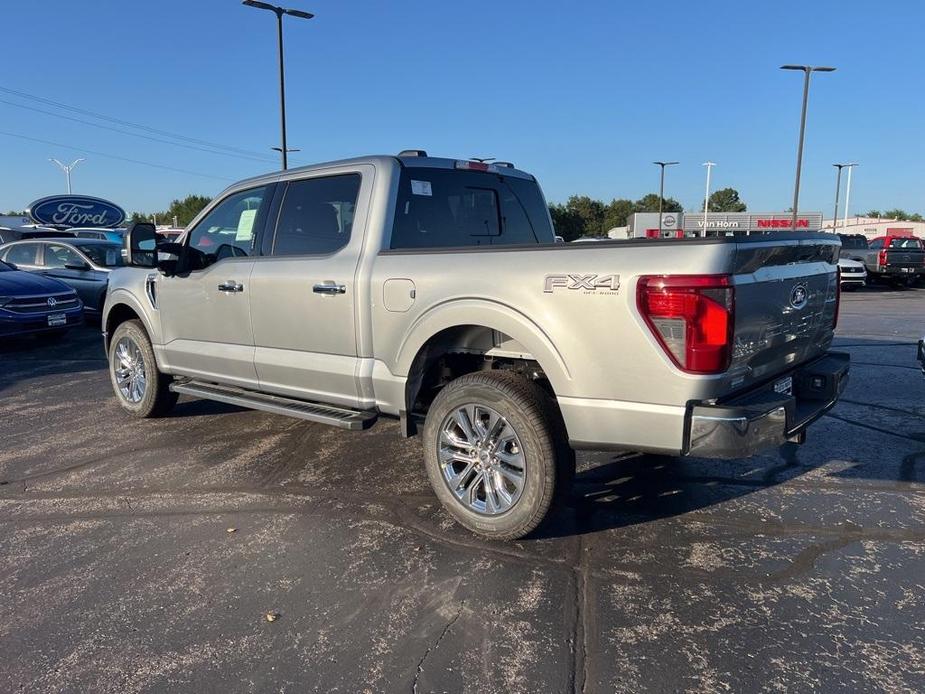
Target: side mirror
{"points": [[140, 245], [76, 266]]}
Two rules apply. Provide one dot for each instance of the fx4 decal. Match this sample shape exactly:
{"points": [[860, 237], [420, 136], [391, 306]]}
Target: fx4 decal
{"points": [[587, 284]]}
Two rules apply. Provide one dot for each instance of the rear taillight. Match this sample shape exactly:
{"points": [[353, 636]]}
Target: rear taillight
{"points": [[881, 258], [837, 297], [692, 317]]}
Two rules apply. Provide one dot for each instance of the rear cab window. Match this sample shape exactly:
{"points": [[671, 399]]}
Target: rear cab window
{"points": [[906, 242], [450, 208]]}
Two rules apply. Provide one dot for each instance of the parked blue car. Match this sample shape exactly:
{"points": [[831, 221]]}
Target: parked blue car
{"points": [[32, 303]]}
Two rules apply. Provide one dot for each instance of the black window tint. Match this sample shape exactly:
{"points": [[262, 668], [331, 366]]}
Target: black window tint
{"points": [[450, 208], [905, 242], [228, 230], [22, 254], [58, 256], [877, 244], [316, 216], [104, 254]]}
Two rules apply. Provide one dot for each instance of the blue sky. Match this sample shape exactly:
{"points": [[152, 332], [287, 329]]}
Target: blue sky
{"points": [[584, 95]]}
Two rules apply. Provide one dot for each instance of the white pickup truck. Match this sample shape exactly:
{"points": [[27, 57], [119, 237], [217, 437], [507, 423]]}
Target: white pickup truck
{"points": [[432, 290]]}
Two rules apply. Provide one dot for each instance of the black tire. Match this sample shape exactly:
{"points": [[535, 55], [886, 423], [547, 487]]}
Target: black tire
{"points": [[549, 462], [157, 399]]}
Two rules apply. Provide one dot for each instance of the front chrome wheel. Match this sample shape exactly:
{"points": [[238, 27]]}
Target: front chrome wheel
{"points": [[481, 459], [129, 370]]}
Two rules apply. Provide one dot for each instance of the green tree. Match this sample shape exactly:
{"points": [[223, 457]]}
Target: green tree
{"points": [[895, 213], [649, 203], [591, 213], [184, 210], [567, 223], [726, 200], [873, 213], [617, 213]]}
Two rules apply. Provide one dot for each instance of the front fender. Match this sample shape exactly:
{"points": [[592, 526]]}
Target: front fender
{"points": [[123, 297]]}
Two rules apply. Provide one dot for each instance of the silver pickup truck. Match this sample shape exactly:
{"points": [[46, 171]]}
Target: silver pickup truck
{"points": [[432, 290]]}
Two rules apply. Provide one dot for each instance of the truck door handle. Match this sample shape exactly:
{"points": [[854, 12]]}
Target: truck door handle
{"points": [[329, 288], [231, 286]]}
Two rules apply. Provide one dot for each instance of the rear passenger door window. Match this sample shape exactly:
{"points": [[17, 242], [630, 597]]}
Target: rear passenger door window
{"points": [[316, 215]]}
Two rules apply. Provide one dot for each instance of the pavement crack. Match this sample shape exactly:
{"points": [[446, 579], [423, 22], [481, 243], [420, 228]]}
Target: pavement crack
{"points": [[446, 629], [918, 438]]}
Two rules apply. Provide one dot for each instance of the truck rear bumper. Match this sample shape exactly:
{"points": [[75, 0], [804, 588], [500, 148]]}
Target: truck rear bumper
{"points": [[766, 418]]}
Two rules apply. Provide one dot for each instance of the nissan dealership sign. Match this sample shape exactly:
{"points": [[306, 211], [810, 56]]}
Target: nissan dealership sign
{"points": [[749, 222]]}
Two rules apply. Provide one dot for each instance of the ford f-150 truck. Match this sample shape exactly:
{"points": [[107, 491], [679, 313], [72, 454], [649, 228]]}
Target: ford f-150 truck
{"points": [[432, 291], [897, 259]]}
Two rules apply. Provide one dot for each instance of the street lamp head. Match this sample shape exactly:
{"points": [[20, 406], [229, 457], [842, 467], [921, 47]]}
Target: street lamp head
{"points": [[665, 163], [262, 5], [299, 13], [807, 68], [709, 163]]}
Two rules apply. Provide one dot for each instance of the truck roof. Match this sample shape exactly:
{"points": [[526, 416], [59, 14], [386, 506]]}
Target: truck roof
{"points": [[403, 158]]}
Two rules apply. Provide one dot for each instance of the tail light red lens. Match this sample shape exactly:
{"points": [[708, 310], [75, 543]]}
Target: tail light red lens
{"points": [[881, 258], [692, 317]]}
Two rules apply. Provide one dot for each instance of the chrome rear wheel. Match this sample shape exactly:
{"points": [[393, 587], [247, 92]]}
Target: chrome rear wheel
{"points": [[481, 459]]}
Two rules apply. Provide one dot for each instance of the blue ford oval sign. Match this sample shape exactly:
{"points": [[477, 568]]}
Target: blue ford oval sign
{"points": [[76, 211]]}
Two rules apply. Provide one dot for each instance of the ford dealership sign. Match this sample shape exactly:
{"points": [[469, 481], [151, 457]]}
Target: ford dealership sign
{"points": [[76, 211]]}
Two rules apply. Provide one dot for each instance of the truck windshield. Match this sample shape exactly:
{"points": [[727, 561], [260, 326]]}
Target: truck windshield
{"points": [[453, 208]]}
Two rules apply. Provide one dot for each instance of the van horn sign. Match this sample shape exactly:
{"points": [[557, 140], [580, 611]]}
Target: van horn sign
{"points": [[76, 211]]}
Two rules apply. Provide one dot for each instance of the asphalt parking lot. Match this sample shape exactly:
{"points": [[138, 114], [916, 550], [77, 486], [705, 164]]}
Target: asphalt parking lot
{"points": [[802, 569]]}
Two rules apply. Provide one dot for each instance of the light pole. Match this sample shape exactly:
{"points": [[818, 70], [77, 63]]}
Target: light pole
{"points": [[661, 189], [67, 168], [848, 193], [279, 12], [807, 71], [706, 195], [837, 191]]}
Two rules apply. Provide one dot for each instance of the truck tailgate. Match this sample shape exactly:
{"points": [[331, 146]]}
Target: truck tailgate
{"points": [[786, 296], [905, 257]]}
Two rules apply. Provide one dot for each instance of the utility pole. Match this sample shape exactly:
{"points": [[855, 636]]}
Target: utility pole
{"points": [[661, 189], [706, 196], [850, 167], [807, 71], [279, 12]]}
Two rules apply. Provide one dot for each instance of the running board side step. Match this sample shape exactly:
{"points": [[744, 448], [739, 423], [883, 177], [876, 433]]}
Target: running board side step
{"points": [[312, 411]]}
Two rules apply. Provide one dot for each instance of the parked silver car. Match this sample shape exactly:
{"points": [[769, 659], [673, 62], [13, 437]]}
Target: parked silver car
{"points": [[83, 264]]}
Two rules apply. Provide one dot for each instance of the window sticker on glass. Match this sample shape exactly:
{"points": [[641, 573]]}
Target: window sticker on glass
{"points": [[245, 230], [421, 188]]}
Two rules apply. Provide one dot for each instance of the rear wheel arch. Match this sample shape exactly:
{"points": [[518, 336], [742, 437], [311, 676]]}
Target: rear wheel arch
{"points": [[459, 350]]}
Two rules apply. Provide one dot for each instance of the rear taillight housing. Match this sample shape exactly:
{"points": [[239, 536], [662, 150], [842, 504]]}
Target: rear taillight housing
{"points": [[837, 297], [692, 317], [881, 258]]}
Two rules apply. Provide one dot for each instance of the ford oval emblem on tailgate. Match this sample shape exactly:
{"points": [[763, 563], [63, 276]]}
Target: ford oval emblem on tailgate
{"points": [[798, 296]]}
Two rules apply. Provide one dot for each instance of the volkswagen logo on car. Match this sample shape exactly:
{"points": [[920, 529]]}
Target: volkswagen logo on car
{"points": [[76, 211], [52, 301], [798, 296]]}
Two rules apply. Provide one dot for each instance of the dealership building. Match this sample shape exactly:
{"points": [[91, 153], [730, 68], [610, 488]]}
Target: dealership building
{"points": [[692, 224]]}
